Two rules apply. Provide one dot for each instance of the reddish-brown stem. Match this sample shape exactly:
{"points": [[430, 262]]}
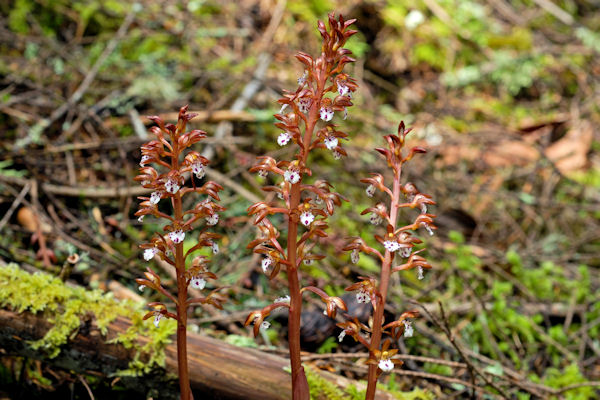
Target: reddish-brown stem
{"points": [[184, 380], [383, 288], [295, 310]]}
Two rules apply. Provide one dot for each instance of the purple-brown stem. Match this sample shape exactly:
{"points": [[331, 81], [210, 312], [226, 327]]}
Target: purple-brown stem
{"points": [[383, 288]]}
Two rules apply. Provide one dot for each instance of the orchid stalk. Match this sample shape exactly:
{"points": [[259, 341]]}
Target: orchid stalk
{"points": [[169, 153]]}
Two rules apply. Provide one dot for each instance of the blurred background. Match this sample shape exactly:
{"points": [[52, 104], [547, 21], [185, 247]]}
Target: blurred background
{"points": [[505, 95]]}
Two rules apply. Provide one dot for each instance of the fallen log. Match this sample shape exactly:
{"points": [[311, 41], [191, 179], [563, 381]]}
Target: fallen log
{"points": [[218, 370]]}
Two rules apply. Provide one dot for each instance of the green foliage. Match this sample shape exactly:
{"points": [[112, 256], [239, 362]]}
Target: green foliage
{"points": [[66, 306]]}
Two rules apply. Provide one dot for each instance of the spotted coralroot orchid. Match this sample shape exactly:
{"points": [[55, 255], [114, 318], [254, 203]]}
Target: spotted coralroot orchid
{"points": [[397, 244], [165, 163], [308, 119]]}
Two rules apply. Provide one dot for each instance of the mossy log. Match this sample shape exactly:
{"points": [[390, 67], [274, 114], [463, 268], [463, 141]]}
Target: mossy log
{"points": [[217, 370]]}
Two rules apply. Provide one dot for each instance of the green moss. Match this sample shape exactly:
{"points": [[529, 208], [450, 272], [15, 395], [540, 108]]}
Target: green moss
{"points": [[65, 306], [322, 389]]}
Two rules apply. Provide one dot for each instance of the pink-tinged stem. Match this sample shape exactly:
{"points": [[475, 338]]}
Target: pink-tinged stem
{"points": [[383, 288], [184, 380]]}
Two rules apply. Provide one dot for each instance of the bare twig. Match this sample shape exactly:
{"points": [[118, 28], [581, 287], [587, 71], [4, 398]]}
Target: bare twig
{"points": [[15, 204]]}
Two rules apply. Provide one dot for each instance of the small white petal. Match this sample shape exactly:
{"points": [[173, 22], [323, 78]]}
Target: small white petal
{"points": [[355, 256], [144, 160], [283, 107], [420, 273], [150, 253], [304, 104], [177, 236], [370, 190], [307, 218], [171, 186], [341, 336], [198, 282], [408, 328], [198, 170], [326, 114], [375, 219], [331, 142], [342, 89], [362, 297], [265, 325], [155, 197], [141, 288], [386, 365], [215, 248], [263, 173], [157, 319], [391, 245], [283, 139], [141, 218], [212, 219], [337, 155], [266, 263], [292, 176]]}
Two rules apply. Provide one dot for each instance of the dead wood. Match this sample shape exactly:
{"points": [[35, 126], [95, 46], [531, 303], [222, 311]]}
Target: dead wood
{"points": [[217, 370]]}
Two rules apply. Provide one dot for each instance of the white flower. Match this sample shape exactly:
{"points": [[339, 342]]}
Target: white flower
{"points": [[375, 219], [284, 299], [283, 139], [342, 89], [198, 170], [306, 218], [413, 19], [326, 114], [150, 253], [141, 218], [177, 236], [302, 79], [362, 297], [341, 336], [141, 288], [144, 160], [212, 219], [405, 252], [266, 263], [171, 186], [304, 104], [157, 318], [308, 261], [215, 247], [420, 273], [423, 208], [355, 256], [292, 176], [331, 142], [337, 155], [386, 365], [283, 107], [408, 329], [198, 282], [265, 325], [263, 173], [155, 197], [345, 113], [391, 245], [427, 228], [370, 190]]}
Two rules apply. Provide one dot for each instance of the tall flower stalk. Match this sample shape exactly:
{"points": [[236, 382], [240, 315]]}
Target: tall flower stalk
{"points": [[169, 153], [397, 241], [306, 119]]}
